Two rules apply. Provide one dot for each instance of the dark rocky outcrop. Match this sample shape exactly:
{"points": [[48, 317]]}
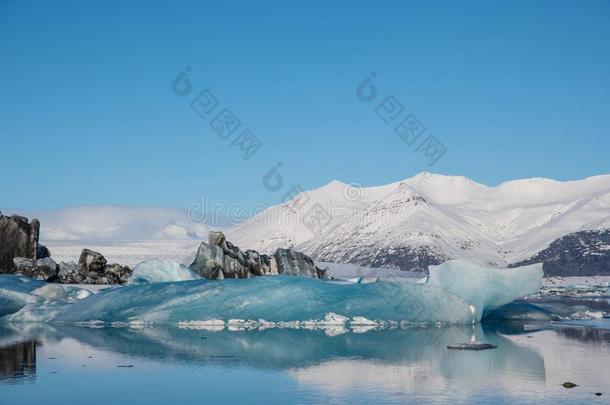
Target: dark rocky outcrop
{"points": [[18, 238], [219, 259], [24, 265], [42, 269], [585, 253], [68, 274], [21, 253], [91, 264], [46, 268], [209, 261], [42, 251], [93, 268], [116, 274], [293, 263]]}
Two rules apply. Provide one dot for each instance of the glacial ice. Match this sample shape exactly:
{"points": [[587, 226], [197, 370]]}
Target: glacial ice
{"points": [[36, 300], [453, 288], [160, 270], [486, 288]]}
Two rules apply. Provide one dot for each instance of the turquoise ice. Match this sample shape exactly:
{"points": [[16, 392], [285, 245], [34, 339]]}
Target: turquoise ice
{"points": [[457, 292]]}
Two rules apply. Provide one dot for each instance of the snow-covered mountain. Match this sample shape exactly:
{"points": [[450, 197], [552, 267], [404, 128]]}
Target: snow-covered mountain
{"points": [[429, 218], [406, 225]]}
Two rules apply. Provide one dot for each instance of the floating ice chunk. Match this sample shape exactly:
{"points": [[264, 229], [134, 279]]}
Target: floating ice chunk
{"points": [[288, 324], [212, 325], [472, 346], [360, 324], [264, 324], [82, 294], [160, 270], [241, 324], [362, 321], [310, 325], [587, 315], [94, 324], [333, 330], [362, 328], [289, 302], [333, 319]]}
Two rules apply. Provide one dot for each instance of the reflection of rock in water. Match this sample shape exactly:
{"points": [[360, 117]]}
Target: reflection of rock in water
{"points": [[18, 360]]}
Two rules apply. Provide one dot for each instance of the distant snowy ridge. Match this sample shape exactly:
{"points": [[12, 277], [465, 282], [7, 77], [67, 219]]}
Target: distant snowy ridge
{"points": [[116, 223], [430, 218]]}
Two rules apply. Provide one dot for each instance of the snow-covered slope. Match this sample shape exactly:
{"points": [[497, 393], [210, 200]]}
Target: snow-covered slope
{"points": [[429, 218]]}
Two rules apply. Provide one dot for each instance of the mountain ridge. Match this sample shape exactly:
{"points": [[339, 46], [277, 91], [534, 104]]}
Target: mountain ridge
{"points": [[429, 218]]}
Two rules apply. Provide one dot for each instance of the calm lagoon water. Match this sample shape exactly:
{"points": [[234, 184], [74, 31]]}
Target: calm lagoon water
{"points": [[50, 364]]}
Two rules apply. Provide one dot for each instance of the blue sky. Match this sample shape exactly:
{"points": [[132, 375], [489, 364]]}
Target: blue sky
{"points": [[87, 114]]}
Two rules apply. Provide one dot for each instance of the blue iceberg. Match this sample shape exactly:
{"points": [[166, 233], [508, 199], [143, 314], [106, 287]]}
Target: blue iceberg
{"points": [[457, 292], [160, 270]]}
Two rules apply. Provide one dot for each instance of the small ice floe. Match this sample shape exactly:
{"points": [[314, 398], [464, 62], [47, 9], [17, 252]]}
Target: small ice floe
{"points": [[94, 324], [310, 324], [472, 346], [236, 325], [333, 319], [333, 330], [211, 325], [263, 324], [354, 280], [406, 324], [333, 324], [136, 323], [82, 294], [391, 324], [362, 328], [362, 321], [288, 324], [360, 324], [586, 315]]}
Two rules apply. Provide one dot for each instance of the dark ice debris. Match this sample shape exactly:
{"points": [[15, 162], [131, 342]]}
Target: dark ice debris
{"points": [[472, 346]]}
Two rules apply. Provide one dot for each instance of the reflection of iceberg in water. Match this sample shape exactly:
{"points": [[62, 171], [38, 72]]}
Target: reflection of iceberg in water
{"points": [[281, 348], [412, 364], [453, 289], [389, 359]]}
